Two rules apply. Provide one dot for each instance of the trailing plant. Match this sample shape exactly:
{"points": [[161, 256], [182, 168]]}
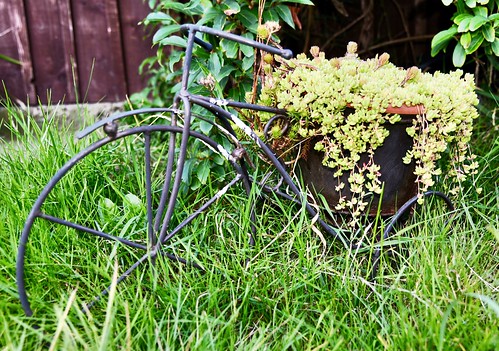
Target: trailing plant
{"points": [[316, 92], [475, 29]]}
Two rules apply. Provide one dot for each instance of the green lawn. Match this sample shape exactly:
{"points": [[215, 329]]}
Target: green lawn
{"points": [[440, 292]]}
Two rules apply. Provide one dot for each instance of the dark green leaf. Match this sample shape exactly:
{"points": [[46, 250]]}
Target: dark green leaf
{"points": [[476, 22], [459, 55], [441, 40], [164, 32], [205, 127], [230, 48], [219, 22], [174, 58], [159, 17], [186, 172], [476, 41], [488, 33], [231, 7], [495, 47], [225, 71], [285, 14], [214, 64], [247, 50], [210, 15], [174, 40], [203, 171], [249, 19], [481, 11], [248, 64]]}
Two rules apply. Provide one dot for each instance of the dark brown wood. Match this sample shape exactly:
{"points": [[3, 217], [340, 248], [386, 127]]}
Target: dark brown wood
{"points": [[51, 41], [101, 69], [137, 42], [14, 43]]}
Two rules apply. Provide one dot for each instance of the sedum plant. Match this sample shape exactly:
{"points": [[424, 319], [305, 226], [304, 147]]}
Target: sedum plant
{"points": [[316, 91]]}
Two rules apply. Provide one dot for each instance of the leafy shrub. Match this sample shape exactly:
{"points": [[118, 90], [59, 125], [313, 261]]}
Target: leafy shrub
{"points": [[475, 26]]}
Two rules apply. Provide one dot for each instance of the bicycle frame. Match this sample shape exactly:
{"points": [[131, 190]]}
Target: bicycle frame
{"points": [[157, 229]]}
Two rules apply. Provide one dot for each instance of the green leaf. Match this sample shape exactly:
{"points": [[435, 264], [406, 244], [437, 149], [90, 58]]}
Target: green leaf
{"points": [[488, 33], [205, 127], [232, 7], [459, 55], [459, 18], [186, 172], [470, 3], [248, 19], [159, 17], [203, 171], [495, 47], [225, 72], [285, 14], [219, 22], [441, 40], [465, 40], [174, 58], [174, 40], [476, 41], [247, 50], [494, 17], [464, 26], [248, 64], [481, 11], [476, 22], [165, 32], [230, 48], [210, 15], [214, 63], [303, 2]]}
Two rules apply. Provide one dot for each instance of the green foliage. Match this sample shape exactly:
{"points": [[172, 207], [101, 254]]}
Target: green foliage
{"points": [[295, 293], [316, 92], [226, 72], [475, 26], [229, 65]]}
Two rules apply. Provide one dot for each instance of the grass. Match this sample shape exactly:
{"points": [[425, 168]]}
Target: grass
{"points": [[440, 293]]}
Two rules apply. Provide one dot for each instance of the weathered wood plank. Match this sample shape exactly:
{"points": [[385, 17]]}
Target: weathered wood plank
{"points": [[14, 43], [52, 47], [101, 69], [137, 42]]}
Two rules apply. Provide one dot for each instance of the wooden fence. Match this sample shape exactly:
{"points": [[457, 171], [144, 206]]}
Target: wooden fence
{"points": [[93, 45]]}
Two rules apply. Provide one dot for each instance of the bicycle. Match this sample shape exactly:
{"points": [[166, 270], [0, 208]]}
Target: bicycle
{"points": [[162, 171]]}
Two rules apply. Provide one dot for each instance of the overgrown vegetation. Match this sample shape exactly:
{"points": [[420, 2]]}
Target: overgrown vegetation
{"points": [[439, 288], [297, 293]]}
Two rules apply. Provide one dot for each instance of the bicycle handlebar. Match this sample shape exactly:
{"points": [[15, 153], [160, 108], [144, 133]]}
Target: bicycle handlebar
{"points": [[285, 53]]}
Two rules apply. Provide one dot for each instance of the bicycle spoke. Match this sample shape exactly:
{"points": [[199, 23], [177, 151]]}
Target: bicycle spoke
{"points": [[85, 229], [201, 209], [147, 148]]}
